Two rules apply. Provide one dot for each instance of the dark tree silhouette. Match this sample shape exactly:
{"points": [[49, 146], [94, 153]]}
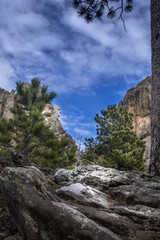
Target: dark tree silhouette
{"points": [[155, 107], [91, 9]]}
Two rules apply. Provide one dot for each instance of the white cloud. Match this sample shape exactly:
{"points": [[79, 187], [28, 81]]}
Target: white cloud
{"points": [[115, 52], [82, 132], [46, 39], [76, 123], [7, 73], [31, 20], [70, 54], [78, 59], [102, 33]]}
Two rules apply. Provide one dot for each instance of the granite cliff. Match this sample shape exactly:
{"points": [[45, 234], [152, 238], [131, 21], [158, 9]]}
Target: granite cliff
{"points": [[138, 101], [7, 100]]}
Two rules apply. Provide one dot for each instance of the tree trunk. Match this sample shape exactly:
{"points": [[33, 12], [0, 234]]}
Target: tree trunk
{"points": [[25, 156], [154, 167]]}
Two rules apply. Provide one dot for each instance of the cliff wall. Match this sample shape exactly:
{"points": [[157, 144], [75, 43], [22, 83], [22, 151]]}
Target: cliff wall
{"points": [[138, 101], [7, 100]]}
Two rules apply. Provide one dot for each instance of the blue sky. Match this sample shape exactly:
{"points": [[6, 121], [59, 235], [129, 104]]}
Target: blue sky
{"points": [[90, 66]]}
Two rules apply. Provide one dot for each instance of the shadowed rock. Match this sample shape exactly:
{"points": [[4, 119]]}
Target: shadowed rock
{"points": [[89, 202], [40, 214]]}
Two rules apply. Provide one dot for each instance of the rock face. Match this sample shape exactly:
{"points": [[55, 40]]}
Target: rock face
{"points": [[8, 230], [89, 202], [138, 101], [7, 100], [55, 123]]}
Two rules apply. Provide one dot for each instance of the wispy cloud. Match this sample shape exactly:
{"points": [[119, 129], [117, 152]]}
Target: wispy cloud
{"points": [[111, 50], [82, 131], [77, 123], [66, 51], [46, 39]]}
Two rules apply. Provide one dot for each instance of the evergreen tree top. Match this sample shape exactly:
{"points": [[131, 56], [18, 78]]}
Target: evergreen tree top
{"points": [[28, 134], [34, 93], [116, 145]]}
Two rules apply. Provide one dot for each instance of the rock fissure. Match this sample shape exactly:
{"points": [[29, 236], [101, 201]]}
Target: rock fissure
{"points": [[138, 101], [73, 206]]}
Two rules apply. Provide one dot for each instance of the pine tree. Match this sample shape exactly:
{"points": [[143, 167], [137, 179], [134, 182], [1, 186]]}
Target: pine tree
{"points": [[91, 9], [116, 145], [27, 132]]}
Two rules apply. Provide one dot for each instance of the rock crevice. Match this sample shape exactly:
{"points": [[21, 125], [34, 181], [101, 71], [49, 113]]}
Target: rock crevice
{"points": [[138, 101], [89, 202]]}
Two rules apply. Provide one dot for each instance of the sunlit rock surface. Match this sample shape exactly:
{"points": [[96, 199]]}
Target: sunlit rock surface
{"points": [[88, 202], [138, 101], [7, 100]]}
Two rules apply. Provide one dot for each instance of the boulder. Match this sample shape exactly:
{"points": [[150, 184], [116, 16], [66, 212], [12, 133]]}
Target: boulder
{"points": [[8, 229], [88, 202]]}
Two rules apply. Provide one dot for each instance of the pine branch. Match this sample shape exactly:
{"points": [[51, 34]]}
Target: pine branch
{"points": [[91, 9]]}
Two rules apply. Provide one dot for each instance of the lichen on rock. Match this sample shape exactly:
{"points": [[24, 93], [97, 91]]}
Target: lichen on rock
{"points": [[88, 202]]}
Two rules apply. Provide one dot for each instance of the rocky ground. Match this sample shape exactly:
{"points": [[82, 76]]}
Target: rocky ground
{"points": [[88, 202]]}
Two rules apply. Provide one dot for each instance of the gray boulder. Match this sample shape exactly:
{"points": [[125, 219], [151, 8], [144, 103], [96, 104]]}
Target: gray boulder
{"points": [[88, 202]]}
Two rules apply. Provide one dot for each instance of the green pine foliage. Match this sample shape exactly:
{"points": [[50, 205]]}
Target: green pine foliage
{"points": [[61, 154], [6, 127], [27, 132], [116, 144]]}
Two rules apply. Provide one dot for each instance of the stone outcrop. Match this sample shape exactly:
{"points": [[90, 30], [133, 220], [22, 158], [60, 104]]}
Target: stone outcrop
{"points": [[55, 123], [138, 101], [8, 229], [7, 100], [89, 202]]}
